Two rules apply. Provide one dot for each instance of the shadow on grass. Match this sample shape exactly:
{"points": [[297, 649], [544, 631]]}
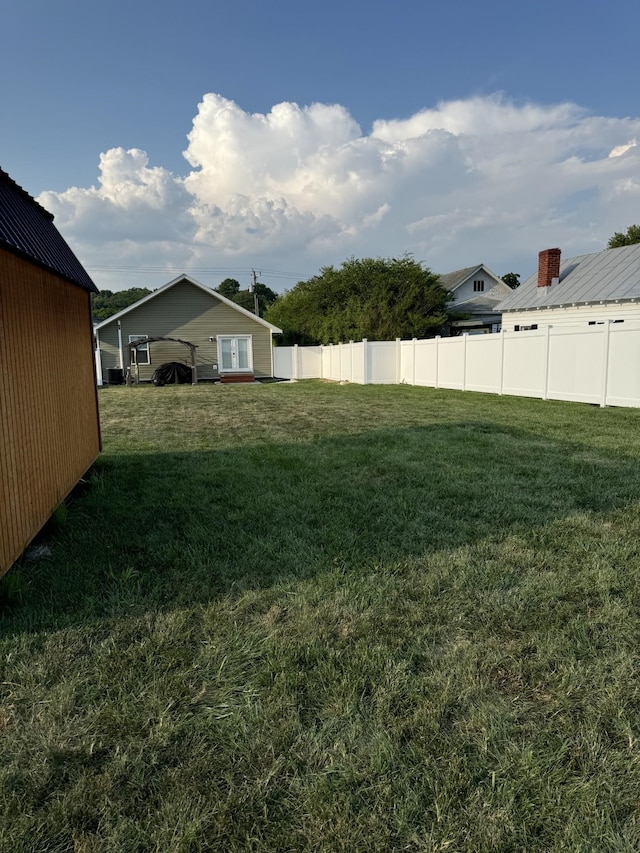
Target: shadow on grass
{"points": [[178, 529]]}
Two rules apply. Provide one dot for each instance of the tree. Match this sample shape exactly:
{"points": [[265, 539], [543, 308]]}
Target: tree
{"points": [[229, 287], [512, 279], [107, 303], [629, 238], [265, 295], [374, 298]]}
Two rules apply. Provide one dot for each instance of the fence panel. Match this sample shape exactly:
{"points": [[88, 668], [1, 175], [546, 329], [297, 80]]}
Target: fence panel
{"points": [[283, 362], [451, 367], [623, 368], [426, 372], [326, 362], [346, 363], [592, 364], [310, 361], [334, 363], [484, 363], [575, 363], [524, 363], [407, 362], [381, 362], [357, 362]]}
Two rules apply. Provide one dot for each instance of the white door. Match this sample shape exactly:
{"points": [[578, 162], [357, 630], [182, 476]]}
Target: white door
{"points": [[234, 353]]}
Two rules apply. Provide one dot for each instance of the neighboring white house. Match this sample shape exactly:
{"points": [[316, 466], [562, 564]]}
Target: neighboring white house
{"points": [[476, 291], [588, 289]]}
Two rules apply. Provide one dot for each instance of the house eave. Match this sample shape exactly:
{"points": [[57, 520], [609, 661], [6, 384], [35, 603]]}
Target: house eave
{"points": [[619, 301]]}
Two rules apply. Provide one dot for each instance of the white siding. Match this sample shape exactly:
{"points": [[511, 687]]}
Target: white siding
{"points": [[571, 315]]}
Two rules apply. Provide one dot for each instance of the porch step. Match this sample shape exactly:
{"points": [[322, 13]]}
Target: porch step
{"points": [[236, 377]]}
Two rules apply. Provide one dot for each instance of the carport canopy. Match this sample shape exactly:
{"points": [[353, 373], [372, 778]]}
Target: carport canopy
{"points": [[133, 346]]}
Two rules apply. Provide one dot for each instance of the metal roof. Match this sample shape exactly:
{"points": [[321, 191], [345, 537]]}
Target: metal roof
{"points": [[608, 276], [480, 303], [28, 229]]}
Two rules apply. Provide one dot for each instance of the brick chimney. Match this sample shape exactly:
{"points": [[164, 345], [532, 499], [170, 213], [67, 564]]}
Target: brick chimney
{"points": [[548, 266]]}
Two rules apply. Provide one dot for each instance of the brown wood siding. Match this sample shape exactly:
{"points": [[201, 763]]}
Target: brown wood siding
{"points": [[49, 427], [186, 312]]}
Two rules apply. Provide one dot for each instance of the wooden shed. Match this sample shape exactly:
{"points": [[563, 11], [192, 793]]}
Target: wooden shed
{"points": [[49, 422]]}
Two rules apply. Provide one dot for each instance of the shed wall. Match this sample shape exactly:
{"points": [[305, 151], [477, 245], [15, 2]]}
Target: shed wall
{"points": [[186, 312], [49, 426]]}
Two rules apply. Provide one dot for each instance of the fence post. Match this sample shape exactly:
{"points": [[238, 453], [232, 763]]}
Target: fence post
{"points": [[437, 361], [605, 364], [501, 386], [545, 387], [365, 362], [413, 369], [295, 362], [464, 361], [351, 361], [98, 356], [398, 361]]}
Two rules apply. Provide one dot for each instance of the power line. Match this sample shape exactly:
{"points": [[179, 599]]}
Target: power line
{"points": [[285, 274]]}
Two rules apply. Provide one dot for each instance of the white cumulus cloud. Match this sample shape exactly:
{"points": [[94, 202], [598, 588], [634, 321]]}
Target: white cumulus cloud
{"points": [[483, 179]]}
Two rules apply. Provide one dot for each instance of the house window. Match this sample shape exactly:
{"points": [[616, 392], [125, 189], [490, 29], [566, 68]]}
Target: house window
{"points": [[530, 328], [143, 351], [478, 285]]}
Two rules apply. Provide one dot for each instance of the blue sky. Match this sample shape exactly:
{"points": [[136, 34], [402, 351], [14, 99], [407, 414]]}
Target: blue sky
{"points": [[460, 132]]}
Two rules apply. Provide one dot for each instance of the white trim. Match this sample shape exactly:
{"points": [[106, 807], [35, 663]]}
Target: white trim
{"points": [[120, 347], [203, 287], [98, 360]]}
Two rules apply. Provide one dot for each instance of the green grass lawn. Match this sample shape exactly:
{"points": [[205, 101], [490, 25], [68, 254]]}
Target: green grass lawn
{"points": [[312, 617]]}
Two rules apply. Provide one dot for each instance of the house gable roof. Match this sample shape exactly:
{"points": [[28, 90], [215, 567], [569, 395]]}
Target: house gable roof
{"points": [[453, 280], [479, 303], [209, 291], [612, 275], [27, 229]]}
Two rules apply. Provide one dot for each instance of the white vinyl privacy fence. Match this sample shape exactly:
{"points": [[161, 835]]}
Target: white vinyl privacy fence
{"points": [[590, 364]]}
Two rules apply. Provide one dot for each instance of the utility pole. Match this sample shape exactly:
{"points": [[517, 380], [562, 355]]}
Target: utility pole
{"points": [[252, 289]]}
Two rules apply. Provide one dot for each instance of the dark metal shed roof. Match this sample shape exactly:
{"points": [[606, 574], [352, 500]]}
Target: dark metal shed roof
{"points": [[28, 229]]}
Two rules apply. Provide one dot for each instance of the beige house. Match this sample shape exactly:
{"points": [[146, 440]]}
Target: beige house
{"points": [[226, 340]]}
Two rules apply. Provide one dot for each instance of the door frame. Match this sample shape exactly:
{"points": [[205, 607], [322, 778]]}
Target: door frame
{"points": [[235, 369]]}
